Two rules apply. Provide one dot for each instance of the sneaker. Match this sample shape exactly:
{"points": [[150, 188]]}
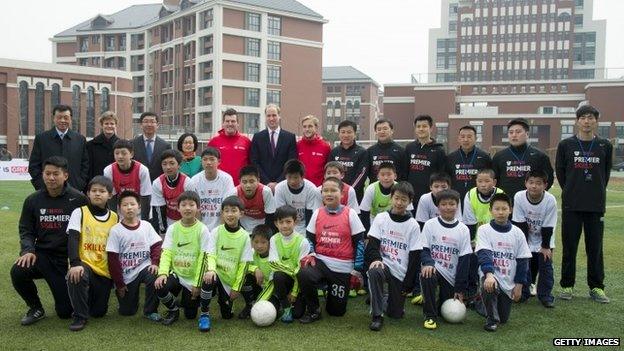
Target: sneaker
{"points": [[352, 293], [430, 324], [245, 313], [204, 322], [287, 315], [154, 317], [566, 293], [170, 317], [33, 315], [533, 289], [376, 323], [78, 324], [491, 327], [548, 304], [362, 292], [417, 300], [226, 311], [310, 317], [598, 295]]}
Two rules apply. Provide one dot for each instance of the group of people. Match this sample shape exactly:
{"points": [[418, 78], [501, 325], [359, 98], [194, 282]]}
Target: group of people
{"points": [[277, 219]]}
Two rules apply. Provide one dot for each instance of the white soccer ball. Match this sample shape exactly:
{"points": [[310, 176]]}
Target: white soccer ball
{"points": [[263, 313], [453, 311]]}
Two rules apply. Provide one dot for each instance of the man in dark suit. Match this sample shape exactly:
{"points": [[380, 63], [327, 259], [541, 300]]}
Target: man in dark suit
{"points": [[60, 141], [271, 148], [148, 147]]}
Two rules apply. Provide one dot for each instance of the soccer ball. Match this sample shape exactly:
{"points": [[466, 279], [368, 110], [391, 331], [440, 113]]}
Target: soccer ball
{"points": [[453, 311], [263, 313]]}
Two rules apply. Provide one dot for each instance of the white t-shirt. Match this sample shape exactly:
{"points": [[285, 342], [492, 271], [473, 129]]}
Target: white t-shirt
{"points": [[447, 243], [427, 209], [542, 214], [168, 244], [211, 194], [144, 177], [307, 199], [269, 207], [396, 240], [158, 198], [133, 247], [351, 201], [367, 200], [211, 249], [506, 248], [334, 264]]}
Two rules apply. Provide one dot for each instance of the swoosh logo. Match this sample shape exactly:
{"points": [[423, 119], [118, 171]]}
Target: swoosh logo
{"points": [[223, 248], [285, 258], [183, 244]]}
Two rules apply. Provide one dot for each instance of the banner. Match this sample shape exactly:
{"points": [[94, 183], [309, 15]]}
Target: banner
{"points": [[16, 169]]}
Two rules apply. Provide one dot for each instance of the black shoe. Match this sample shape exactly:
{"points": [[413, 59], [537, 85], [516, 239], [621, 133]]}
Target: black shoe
{"points": [[310, 317], [226, 311], [33, 315], [367, 301], [548, 304], [376, 324], [170, 317], [245, 313], [78, 324], [491, 327]]}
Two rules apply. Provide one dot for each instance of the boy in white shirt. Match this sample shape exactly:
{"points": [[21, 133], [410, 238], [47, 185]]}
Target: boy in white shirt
{"points": [[297, 192]]}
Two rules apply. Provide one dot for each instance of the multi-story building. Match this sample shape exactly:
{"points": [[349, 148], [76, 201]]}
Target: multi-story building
{"points": [[30, 90], [192, 59], [505, 40], [352, 95]]}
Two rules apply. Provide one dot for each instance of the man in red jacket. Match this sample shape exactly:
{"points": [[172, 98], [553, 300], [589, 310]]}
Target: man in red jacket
{"points": [[233, 146], [312, 150]]}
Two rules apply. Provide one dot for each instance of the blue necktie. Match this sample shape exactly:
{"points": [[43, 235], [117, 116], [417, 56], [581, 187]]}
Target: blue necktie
{"points": [[149, 150]]}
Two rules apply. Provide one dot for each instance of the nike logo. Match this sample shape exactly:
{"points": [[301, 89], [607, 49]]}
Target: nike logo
{"points": [[183, 244], [223, 248], [285, 258], [72, 198]]}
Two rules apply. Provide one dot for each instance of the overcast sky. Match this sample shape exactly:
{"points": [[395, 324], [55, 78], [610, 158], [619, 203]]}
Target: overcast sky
{"points": [[387, 42]]}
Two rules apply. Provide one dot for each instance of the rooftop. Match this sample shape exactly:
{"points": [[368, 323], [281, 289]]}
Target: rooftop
{"points": [[345, 73]]}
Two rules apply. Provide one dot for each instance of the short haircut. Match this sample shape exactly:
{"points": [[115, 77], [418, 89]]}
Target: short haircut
{"points": [[56, 161], [587, 109], [537, 173], [468, 127], [148, 114], [448, 194], [230, 112], [439, 177], [294, 166], [310, 118], [232, 201], [123, 144], [347, 123], [424, 118], [189, 195], [487, 171], [251, 170], [277, 108], [108, 115], [387, 165], [334, 164], [404, 188], [262, 230], [285, 212], [520, 122], [101, 180], [211, 151], [62, 108], [335, 180], [129, 193], [171, 153], [500, 197], [383, 120], [184, 136]]}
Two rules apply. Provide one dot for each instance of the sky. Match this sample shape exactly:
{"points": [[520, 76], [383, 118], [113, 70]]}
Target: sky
{"points": [[388, 40]]}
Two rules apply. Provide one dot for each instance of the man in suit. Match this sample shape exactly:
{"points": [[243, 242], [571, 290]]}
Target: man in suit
{"points": [[148, 147], [272, 147], [60, 141]]}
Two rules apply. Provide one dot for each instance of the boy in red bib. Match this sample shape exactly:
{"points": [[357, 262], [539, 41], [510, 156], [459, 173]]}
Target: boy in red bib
{"points": [[256, 197], [166, 190]]}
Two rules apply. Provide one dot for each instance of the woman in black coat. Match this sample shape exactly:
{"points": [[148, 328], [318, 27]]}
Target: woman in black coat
{"points": [[100, 148]]}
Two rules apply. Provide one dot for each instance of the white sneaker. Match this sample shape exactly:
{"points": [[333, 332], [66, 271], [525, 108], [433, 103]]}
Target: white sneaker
{"points": [[533, 290]]}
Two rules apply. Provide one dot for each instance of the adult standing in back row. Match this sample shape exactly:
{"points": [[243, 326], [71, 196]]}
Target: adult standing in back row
{"points": [[312, 150], [149, 146], [271, 148], [353, 157], [385, 150], [232, 145]]}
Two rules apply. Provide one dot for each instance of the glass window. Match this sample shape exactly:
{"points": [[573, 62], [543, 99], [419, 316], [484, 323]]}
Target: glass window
{"points": [[442, 135], [603, 131], [567, 130], [23, 105], [105, 100], [90, 112], [252, 21], [206, 19], [55, 96], [619, 132], [274, 51], [274, 75], [252, 47], [252, 72], [39, 108], [275, 25], [76, 108], [274, 97], [252, 97]]}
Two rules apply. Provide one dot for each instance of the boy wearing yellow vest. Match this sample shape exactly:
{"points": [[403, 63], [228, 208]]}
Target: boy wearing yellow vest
{"points": [[259, 272], [88, 281]]}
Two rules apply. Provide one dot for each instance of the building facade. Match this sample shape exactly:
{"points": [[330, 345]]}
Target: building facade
{"points": [[30, 90], [190, 60], [505, 40]]}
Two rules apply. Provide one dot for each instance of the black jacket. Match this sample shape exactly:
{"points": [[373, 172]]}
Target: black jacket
{"points": [[354, 160], [160, 145], [100, 150], [73, 147], [421, 161], [463, 169], [385, 152], [272, 168], [511, 165]]}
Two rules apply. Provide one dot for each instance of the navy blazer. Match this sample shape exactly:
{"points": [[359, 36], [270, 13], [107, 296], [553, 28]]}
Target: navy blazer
{"points": [[140, 154], [272, 168]]}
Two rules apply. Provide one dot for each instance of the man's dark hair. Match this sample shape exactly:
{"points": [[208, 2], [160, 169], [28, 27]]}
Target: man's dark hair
{"points": [[440, 177], [520, 122], [294, 166], [347, 123], [537, 173], [249, 170], [230, 112], [468, 127], [211, 151], [404, 188], [148, 114], [587, 109], [123, 144], [129, 193], [56, 161], [387, 165], [62, 108], [285, 212], [424, 118], [171, 153], [448, 194], [262, 230], [232, 201], [189, 195], [101, 180], [383, 120], [183, 136], [500, 197]]}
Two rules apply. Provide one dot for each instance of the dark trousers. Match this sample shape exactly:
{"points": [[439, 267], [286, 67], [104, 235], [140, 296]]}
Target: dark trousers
{"points": [[497, 304], [282, 286], [250, 290], [546, 280], [89, 296], [208, 291], [473, 276], [394, 305], [311, 278], [593, 226], [53, 270], [431, 285], [129, 304], [167, 296]]}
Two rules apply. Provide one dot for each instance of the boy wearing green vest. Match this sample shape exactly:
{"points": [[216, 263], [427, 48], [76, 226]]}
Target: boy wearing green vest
{"points": [[228, 257], [259, 274]]}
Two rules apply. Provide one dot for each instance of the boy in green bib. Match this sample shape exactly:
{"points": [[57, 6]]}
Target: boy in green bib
{"points": [[258, 276]]}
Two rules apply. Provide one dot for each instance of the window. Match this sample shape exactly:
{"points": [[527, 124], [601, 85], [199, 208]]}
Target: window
{"points": [[274, 97], [619, 132], [76, 108], [206, 45], [250, 122], [578, 20], [105, 100], [90, 112], [55, 96], [84, 44], [603, 131], [122, 42], [39, 108], [205, 96], [23, 106], [330, 108], [252, 47], [206, 19], [275, 25], [252, 97], [137, 42], [274, 75], [252, 72], [442, 134], [252, 21], [138, 84], [567, 130], [110, 42], [205, 70], [95, 39], [274, 51]]}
